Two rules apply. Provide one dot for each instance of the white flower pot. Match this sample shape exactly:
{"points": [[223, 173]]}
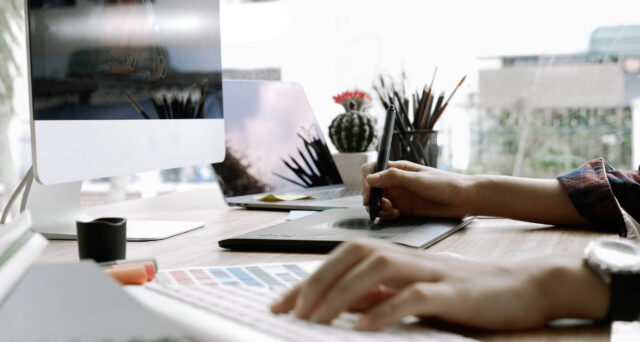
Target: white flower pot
{"points": [[350, 166]]}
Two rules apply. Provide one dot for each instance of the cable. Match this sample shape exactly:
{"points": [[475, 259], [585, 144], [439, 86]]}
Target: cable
{"points": [[26, 191], [15, 195]]}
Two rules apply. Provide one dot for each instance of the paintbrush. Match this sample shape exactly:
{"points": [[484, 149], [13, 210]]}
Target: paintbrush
{"points": [[439, 113], [455, 89], [433, 78]]}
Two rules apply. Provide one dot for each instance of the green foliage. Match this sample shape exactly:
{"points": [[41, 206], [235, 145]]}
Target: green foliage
{"points": [[557, 140]]}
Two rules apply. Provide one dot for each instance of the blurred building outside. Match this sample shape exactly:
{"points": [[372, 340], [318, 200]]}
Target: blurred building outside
{"points": [[525, 128]]}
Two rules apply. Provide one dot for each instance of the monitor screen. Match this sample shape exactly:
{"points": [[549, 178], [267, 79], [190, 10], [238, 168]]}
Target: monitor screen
{"points": [[123, 86], [125, 59]]}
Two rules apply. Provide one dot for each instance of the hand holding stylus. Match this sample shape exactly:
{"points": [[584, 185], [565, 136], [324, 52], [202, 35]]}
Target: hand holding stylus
{"points": [[416, 190]]}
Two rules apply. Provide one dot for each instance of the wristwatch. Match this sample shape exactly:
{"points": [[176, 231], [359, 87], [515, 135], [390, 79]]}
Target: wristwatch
{"points": [[617, 261]]}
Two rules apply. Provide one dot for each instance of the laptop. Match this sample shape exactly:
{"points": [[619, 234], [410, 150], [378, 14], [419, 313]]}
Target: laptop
{"points": [[274, 145], [321, 232]]}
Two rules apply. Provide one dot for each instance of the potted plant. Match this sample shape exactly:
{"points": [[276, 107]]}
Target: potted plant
{"points": [[353, 133]]}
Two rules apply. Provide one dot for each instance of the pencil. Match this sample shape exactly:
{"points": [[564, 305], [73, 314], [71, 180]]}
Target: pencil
{"points": [[436, 110], [422, 109], [401, 105], [427, 116], [437, 116], [406, 113]]}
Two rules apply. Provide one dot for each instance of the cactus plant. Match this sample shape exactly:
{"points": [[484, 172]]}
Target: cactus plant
{"points": [[353, 130]]}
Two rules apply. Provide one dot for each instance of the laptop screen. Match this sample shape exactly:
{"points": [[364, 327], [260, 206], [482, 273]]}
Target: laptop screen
{"points": [[273, 142]]}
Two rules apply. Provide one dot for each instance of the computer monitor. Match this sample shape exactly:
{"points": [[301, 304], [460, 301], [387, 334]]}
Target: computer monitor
{"points": [[123, 86]]}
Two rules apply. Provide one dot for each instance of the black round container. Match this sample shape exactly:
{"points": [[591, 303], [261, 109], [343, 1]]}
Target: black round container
{"points": [[103, 239]]}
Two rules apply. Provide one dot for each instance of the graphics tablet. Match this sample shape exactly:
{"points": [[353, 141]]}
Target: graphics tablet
{"points": [[321, 232]]}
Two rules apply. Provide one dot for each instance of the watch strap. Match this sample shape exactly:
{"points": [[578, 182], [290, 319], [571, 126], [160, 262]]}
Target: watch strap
{"points": [[625, 298]]}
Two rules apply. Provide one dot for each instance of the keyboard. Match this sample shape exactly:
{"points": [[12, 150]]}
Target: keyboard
{"points": [[334, 193], [249, 307]]}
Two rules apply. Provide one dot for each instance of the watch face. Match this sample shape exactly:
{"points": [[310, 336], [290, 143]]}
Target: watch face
{"points": [[616, 254]]}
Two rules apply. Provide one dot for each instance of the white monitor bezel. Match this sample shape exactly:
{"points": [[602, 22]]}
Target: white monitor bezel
{"points": [[75, 150]]}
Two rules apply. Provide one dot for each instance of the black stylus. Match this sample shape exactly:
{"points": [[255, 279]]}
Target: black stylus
{"points": [[375, 200]]}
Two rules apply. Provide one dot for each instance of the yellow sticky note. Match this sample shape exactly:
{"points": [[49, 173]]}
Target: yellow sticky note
{"points": [[278, 198]]}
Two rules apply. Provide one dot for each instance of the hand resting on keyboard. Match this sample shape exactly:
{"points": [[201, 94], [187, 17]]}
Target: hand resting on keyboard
{"points": [[388, 282]]}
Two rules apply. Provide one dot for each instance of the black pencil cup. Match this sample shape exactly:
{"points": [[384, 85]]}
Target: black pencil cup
{"points": [[103, 239], [419, 146]]}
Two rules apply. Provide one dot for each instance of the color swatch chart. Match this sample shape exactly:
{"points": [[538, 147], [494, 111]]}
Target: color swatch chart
{"points": [[257, 275]]}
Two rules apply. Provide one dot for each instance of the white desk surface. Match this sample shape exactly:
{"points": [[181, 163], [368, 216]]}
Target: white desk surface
{"points": [[483, 239]]}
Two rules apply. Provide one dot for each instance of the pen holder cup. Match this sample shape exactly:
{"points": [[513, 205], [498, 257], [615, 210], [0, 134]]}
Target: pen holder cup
{"points": [[103, 239], [419, 146]]}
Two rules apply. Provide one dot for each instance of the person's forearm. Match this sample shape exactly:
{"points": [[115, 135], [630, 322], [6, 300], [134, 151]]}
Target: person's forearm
{"points": [[568, 287], [527, 199]]}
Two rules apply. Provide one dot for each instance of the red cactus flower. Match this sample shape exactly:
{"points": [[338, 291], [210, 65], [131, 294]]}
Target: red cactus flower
{"points": [[353, 100]]}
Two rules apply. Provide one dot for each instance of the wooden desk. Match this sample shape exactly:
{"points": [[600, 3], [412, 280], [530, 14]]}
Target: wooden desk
{"points": [[483, 239]]}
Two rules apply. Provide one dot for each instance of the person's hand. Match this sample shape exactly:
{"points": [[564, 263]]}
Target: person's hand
{"points": [[416, 190], [388, 282]]}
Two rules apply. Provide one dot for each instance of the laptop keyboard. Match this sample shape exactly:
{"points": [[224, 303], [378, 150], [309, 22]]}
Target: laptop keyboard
{"points": [[334, 193], [250, 307]]}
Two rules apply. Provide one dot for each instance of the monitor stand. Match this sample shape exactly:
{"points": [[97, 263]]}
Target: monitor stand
{"points": [[56, 208]]}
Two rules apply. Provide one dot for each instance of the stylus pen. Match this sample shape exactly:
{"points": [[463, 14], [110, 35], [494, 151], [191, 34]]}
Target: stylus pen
{"points": [[375, 200]]}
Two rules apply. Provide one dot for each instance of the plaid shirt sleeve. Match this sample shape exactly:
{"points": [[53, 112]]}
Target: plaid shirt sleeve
{"points": [[609, 199]]}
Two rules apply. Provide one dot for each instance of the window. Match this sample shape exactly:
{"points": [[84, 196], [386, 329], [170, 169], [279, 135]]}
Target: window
{"points": [[550, 84]]}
